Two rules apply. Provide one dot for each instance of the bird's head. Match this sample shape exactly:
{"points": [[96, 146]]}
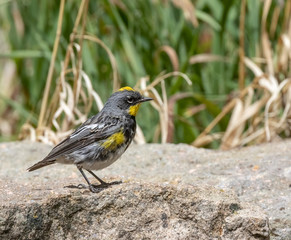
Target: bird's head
{"points": [[126, 99]]}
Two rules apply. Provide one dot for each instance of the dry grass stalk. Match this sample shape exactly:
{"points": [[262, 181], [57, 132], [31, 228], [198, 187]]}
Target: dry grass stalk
{"points": [[262, 112], [242, 45], [252, 119], [160, 103], [51, 68], [274, 22], [206, 57], [200, 140], [74, 90], [171, 103], [116, 81], [267, 51], [77, 79], [171, 54], [167, 75], [188, 10]]}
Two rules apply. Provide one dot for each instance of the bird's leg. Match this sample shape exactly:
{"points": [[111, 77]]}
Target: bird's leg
{"points": [[80, 186], [99, 179], [102, 183], [91, 186]]}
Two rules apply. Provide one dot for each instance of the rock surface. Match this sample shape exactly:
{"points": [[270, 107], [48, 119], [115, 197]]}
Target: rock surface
{"points": [[131, 211], [168, 192]]}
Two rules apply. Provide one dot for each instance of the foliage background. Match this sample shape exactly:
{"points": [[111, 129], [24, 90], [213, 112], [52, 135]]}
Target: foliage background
{"points": [[200, 38]]}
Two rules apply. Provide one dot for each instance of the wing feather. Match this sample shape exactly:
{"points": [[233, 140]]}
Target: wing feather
{"points": [[94, 129]]}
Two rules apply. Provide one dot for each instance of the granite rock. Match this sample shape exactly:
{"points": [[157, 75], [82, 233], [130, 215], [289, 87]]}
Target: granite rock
{"points": [[168, 192]]}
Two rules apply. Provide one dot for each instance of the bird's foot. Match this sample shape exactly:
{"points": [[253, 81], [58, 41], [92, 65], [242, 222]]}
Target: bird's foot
{"points": [[105, 184], [94, 188]]}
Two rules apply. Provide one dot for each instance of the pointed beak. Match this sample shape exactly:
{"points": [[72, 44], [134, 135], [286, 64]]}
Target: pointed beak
{"points": [[145, 99]]}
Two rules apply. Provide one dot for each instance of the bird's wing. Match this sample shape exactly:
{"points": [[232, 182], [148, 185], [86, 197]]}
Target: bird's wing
{"points": [[94, 129]]}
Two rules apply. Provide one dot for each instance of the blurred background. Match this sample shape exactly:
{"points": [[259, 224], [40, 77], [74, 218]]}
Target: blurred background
{"points": [[219, 70]]}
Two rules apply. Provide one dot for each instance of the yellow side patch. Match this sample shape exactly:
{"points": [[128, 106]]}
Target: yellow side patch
{"points": [[133, 109], [114, 141], [125, 89]]}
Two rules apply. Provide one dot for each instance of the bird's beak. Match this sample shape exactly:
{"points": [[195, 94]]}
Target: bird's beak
{"points": [[145, 99]]}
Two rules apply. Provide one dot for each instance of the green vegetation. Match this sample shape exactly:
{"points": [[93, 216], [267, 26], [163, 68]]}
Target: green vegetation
{"points": [[149, 38]]}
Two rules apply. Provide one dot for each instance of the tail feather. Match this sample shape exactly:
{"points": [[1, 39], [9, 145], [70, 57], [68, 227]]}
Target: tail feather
{"points": [[41, 164]]}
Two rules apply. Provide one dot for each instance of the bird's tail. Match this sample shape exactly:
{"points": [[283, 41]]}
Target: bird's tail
{"points": [[41, 164]]}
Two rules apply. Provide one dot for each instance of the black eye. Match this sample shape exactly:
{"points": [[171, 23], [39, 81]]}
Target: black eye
{"points": [[129, 99]]}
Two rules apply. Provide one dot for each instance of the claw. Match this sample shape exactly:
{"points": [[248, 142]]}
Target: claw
{"points": [[82, 186], [95, 189], [79, 186], [115, 183]]}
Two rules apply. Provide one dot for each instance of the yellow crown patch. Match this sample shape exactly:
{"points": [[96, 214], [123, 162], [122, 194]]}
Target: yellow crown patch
{"points": [[125, 89]]}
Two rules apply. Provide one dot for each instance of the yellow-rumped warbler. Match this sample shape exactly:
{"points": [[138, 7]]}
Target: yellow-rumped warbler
{"points": [[100, 140]]}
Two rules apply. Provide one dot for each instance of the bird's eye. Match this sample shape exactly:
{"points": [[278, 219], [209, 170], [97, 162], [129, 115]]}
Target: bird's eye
{"points": [[129, 99]]}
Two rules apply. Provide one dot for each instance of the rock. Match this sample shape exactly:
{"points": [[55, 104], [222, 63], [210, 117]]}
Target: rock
{"points": [[129, 211], [168, 192]]}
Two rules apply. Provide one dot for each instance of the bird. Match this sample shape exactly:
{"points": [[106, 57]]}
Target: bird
{"points": [[101, 139]]}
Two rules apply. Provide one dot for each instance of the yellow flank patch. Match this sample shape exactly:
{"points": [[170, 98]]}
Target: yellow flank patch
{"points": [[133, 109], [113, 141], [125, 89]]}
